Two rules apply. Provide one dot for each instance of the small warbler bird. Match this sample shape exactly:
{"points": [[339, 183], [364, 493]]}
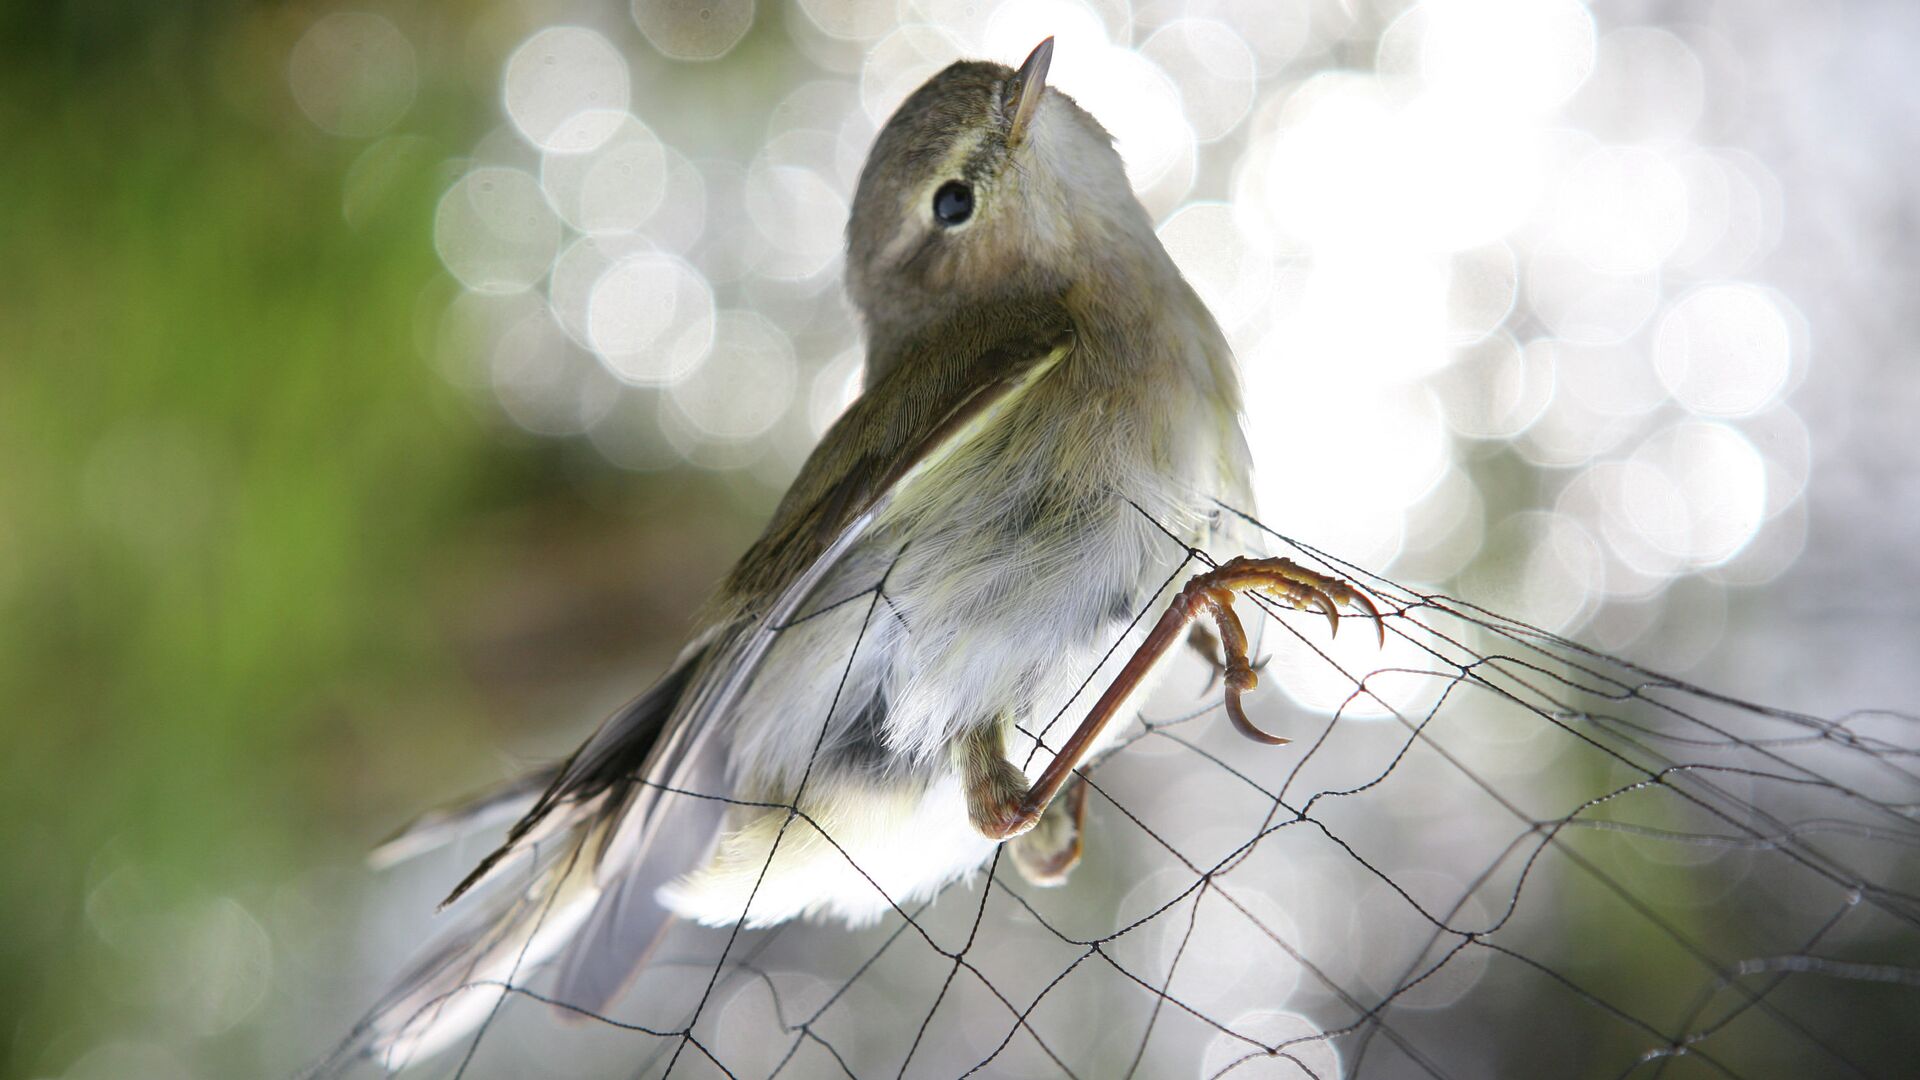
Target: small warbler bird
{"points": [[1050, 414]]}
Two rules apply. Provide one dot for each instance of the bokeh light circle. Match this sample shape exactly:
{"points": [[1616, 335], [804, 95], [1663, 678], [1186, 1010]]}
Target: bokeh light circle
{"points": [[1495, 389], [745, 386], [796, 210], [495, 231], [1222, 259], [1623, 211], [853, 20], [1214, 69], [1648, 87], [1541, 567], [1724, 350], [616, 185], [1506, 55], [353, 73], [650, 317], [544, 382], [1697, 491], [693, 29], [1239, 1051], [566, 89]]}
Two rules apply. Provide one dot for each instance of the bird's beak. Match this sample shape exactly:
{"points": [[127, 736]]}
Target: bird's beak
{"points": [[1031, 81]]}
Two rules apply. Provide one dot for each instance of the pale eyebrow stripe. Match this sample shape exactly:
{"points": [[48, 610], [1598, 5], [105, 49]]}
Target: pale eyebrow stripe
{"points": [[913, 229]]}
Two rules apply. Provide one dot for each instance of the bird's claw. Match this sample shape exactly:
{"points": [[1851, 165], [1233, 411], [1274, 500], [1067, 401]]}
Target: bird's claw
{"points": [[1281, 579]]}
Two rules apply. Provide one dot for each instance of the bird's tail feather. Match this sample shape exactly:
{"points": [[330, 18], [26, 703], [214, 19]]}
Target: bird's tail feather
{"points": [[451, 991], [438, 827], [584, 864]]}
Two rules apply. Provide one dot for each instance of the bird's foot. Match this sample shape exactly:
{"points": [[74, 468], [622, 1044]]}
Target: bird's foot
{"points": [[1282, 580], [1045, 855], [1000, 803]]}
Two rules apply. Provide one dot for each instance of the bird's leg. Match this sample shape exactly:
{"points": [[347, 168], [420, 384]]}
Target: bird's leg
{"points": [[995, 789], [994, 786], [1001, 816]]}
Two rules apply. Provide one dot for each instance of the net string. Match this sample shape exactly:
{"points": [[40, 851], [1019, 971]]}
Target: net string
{"points": [[1532, 670]]}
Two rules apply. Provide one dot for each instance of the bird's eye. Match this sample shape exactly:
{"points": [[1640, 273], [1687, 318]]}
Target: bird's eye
{"points": [[953, 203]]}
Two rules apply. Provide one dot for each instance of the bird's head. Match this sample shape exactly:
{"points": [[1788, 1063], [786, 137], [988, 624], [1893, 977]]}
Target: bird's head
{"points": [[986, 183]]}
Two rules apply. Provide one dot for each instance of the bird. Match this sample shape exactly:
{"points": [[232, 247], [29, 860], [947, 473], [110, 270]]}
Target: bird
{"points": [[1051, 428]]}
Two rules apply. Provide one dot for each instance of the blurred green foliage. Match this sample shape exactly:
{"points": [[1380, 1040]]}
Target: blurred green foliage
{"points": [[270, 583], [228, 479]]}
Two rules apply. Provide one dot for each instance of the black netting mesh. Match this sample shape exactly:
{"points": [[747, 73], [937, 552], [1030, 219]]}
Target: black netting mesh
{"points": [[1489, 851]]}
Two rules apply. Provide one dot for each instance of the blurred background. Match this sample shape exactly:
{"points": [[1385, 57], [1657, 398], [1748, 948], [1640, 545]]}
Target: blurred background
{"points": [[382, 385]]}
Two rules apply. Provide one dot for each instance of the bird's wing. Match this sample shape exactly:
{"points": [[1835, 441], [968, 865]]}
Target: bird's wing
{"points": [[655, 772], [928, 400]]}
